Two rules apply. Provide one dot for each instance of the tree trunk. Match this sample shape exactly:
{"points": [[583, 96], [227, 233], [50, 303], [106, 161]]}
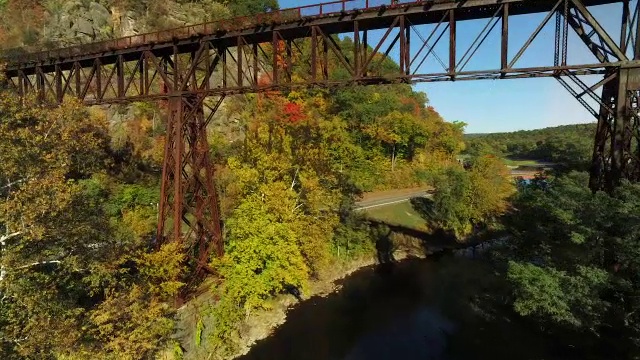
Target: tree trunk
{"points": [[393, 158], [3, 244]]}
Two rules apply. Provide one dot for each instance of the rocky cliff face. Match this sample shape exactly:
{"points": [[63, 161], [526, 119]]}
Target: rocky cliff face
{"points": [[123, 21], [33, 25], [40, 24], [77, 22]]}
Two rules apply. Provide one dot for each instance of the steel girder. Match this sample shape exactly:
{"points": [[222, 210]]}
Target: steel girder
{"points": [[247, 61]]}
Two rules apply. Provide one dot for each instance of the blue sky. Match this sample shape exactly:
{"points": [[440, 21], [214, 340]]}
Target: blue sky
{"points": [[505, 105]]}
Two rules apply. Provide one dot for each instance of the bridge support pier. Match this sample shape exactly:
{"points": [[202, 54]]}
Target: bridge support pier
{"points": [[188, 210], [616, 154]]}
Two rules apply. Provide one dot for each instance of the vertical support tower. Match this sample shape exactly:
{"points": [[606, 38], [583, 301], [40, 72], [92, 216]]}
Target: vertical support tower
{"points": [[616, 153], [189, 212]]}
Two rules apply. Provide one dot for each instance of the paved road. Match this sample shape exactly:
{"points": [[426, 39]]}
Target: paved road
{"points": [[375, 200], [388, 200]]}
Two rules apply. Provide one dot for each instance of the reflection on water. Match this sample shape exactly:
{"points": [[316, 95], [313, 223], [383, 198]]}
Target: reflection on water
{"points": [[337, 325], [420, 335], [408, 310]]}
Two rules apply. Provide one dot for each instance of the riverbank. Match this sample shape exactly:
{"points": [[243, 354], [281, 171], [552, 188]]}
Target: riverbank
{"points": [[194, 321], [262, 324], [417, 309]]}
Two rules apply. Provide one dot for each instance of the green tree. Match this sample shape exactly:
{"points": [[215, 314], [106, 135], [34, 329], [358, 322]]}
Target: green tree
{"points": [[46, 234], [573, 263], [263, 257], [76, 278], [569, 146], [135, 319], [464, 199]]}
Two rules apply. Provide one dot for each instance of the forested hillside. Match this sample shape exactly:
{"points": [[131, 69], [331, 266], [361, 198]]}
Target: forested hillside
{"points": [[81, 278], [570, 145], [82, 275]]}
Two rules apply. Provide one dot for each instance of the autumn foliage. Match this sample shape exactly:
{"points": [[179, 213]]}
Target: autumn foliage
{"points": [[82, 273], [292, 113]]}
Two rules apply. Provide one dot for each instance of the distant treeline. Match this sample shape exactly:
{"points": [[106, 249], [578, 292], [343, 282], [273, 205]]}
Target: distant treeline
{"points": [[569, 145]]}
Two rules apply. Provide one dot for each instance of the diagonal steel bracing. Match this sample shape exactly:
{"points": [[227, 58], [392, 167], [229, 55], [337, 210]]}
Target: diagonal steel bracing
{"points": [[302, 48], [189, 205]]}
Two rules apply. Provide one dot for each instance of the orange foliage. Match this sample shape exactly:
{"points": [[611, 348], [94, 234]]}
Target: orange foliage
{"points": [[292, 113], [417, 107], [431, 111], [280, 58]]}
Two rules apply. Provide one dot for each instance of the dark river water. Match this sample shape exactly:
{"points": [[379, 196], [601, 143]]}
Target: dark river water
{"points": [[411, 311]]}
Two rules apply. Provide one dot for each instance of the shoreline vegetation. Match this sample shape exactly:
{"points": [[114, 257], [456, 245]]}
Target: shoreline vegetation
{"points": [[263, 323], [405, 243], [260, 325]]}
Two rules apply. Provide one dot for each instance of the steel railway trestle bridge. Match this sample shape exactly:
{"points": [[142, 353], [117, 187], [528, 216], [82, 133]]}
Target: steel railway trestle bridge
{"points": [[295, 48]]}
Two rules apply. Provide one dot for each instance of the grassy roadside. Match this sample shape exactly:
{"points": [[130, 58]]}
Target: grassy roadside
{"points": [[400, 214], [516, 162]]}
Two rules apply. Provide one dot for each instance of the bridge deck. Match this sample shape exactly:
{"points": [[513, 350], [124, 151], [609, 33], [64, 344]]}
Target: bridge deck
{"points": [[290, 23]]}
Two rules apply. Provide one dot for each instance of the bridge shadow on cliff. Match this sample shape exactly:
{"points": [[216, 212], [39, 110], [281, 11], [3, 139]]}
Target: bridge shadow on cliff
{"points": [[432, 243]]}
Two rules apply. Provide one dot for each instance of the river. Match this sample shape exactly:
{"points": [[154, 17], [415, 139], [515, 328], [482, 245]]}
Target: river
{"points": [[417, 309]]}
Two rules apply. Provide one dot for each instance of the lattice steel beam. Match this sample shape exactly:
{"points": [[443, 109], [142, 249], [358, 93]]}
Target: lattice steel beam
{"points": [[188, 211], [118, 71]]}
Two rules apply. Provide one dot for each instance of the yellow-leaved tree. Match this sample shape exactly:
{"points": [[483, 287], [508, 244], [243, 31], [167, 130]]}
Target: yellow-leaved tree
{"points": [[79, 276], [281, 194], [468, 198], [46, 234]]}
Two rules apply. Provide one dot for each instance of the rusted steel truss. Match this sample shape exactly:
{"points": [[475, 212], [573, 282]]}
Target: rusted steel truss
{"points": [[188, 210], [307, 53], [186, 66]]}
